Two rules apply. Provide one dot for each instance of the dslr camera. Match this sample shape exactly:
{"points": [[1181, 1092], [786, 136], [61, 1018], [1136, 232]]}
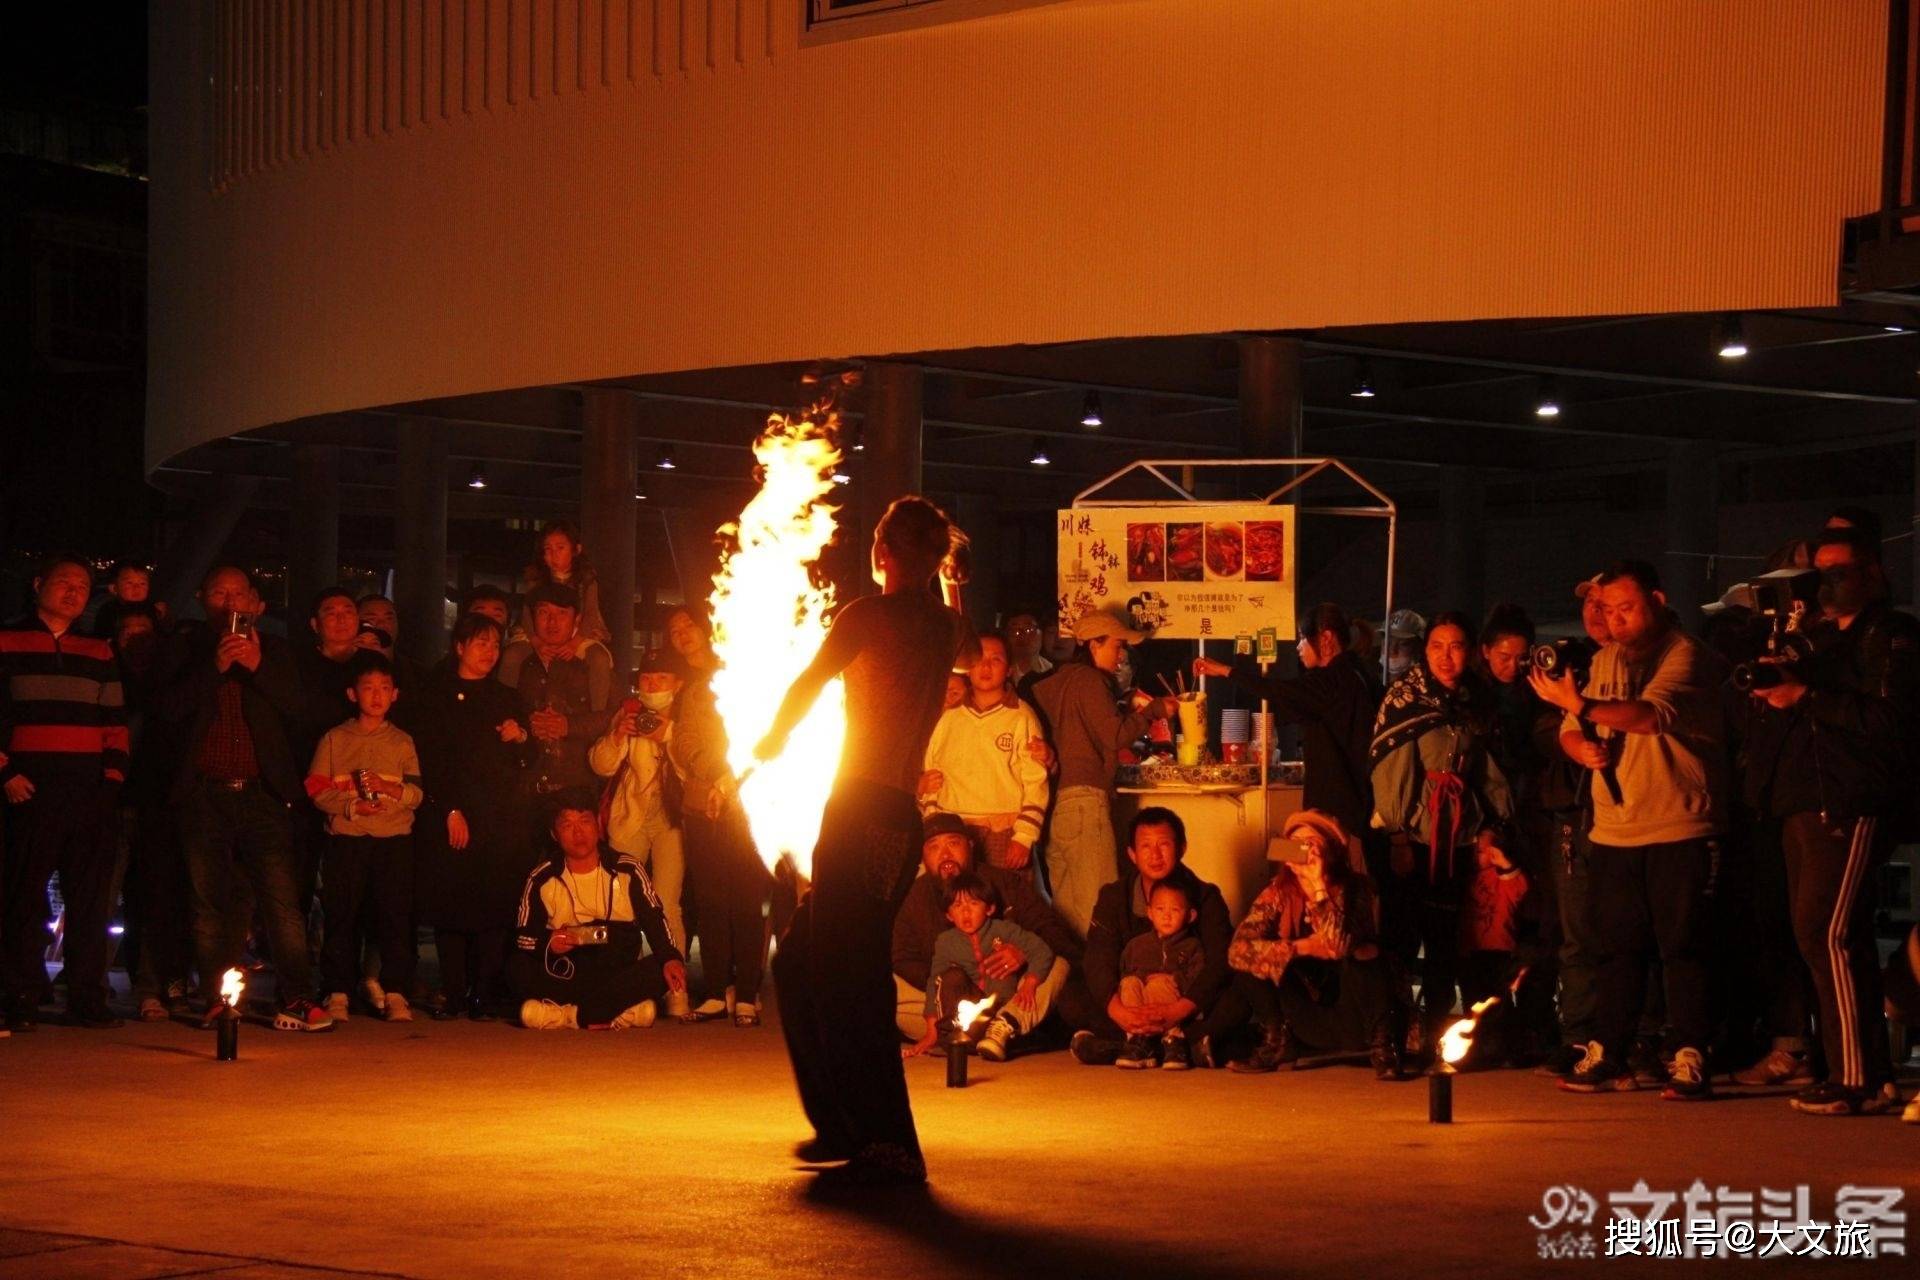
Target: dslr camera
{"points": [[1787, 601], [1572, 654]]}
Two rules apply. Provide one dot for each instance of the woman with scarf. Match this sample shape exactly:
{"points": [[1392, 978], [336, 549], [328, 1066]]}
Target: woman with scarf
{"points": [[1436, 784]]}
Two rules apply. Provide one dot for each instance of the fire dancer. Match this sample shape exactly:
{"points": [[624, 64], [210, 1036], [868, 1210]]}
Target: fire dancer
{"points": [[896, 651]]}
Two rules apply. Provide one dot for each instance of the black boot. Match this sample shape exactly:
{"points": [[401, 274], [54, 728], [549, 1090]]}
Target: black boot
{"points": [[1275, 1052], [1384, 1050]]}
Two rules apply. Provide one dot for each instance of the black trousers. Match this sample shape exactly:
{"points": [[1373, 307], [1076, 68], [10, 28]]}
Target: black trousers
{"points": [[1647, 900], [1830, 868], [70, 827], [1780, 998], [159, 910], [1333, 1006], [835, 974], [239, 847], [375, 872], [604, 984], [471, 962], [730, 888]]}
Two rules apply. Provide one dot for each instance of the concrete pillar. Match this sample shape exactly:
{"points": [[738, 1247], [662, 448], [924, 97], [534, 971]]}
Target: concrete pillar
{"points": [[1463, 542], [420, 538], [313, 523], [609, 461], [890, 464], [193, 557], [1693, 528], [1272, 424]]}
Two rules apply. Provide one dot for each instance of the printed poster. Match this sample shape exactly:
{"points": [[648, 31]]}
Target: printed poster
{"points": [[1185, 573]]}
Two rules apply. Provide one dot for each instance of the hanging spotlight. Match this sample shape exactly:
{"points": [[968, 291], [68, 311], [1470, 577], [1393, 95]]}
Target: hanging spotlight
{"points": [[1040, 458], [1090, 411], [665, 462], [1363, 381], [478, 479], [1733, 338], [1548, 405], [639, 488]]}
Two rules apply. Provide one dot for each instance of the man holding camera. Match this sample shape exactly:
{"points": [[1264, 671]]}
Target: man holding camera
{"points": [[1828, 760], [1652, 694]]}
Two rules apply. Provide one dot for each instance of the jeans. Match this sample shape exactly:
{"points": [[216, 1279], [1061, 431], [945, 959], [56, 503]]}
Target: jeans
{"points": [[1572, 868], [1647, 900], [240, 853], [70, 827], [1082, 858]]}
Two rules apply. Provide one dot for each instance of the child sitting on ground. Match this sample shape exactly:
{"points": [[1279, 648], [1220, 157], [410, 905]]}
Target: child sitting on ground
{"points": [[973, 909], [1161, 967]]}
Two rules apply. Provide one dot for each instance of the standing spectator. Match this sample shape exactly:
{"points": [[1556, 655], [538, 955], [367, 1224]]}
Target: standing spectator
{"points": [[64, 727], [565, 688], [643, 796], [980, 765], [235, 696], [1080, 704], [489, 602], [326, 666], [471, 834], [365, 777], [1436, 783], [1653, 693], [380, 628], [1156, 845], [1026, 665], [731, 885], [562, 561], [1306, 960], [1831, 758]]}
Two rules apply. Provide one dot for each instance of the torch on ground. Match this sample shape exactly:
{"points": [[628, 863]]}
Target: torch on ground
{"points": [[233, 985], [959, 1047], [1455, 1043]]}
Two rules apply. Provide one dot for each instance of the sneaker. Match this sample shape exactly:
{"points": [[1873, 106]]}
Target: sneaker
{"points": [[1173, 1052], [337, 1006], [153, 1009], [639, 1015], [1136, 1055], [1090, 1050], [1838, 1100], [706, 1011], [302, 1015], [546, 1015], [1597, 1073], [993, 1041], [1560, 1061], [678, 1006], [397, 1008], [1779, 1067], [376, 995], [1643, 1059], [746, 1014], [1687, 1081]]}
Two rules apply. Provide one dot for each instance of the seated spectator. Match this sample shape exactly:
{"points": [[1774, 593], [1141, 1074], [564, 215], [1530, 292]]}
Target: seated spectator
{"points": [[565, 687], [583, 917], [1156, 843], [947, 850], [1160, 968], [977, 932], [1307, 961], [563, 562], [979, 764], [643, 798]]}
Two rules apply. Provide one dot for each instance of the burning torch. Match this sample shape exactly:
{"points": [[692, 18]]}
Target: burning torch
{"points": [[958, 1048], [1455, 1043], [227, 1025]]}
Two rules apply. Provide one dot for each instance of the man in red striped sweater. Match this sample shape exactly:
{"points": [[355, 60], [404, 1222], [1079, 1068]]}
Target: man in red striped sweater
{"points": [[64, 732]]}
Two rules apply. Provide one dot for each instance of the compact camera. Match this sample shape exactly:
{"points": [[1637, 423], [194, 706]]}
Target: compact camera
{"points": [[587, 935]]}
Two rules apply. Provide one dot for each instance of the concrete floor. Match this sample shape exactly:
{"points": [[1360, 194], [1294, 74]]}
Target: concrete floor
{"points": [[458, 1150]]}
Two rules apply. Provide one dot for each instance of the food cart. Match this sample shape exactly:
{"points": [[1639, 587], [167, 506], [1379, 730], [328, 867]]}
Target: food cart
{"points": [[1217, 572]]}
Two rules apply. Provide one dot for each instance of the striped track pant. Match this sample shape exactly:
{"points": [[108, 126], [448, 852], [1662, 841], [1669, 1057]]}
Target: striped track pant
{"points": [[1830, 880]]}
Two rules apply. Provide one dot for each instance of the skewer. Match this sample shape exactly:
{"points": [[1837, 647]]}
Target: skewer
{"points": [[1161, 676]]}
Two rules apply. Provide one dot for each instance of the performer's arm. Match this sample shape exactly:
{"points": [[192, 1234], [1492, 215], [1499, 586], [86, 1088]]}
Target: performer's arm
{"points": [[845, 639]]}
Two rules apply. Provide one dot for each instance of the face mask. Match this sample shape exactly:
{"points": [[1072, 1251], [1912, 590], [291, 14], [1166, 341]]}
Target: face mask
{"points": [[1843, 590], [656, 701]]}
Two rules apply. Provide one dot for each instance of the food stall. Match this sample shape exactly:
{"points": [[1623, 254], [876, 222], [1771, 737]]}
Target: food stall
{"points": [[1221, 573]]}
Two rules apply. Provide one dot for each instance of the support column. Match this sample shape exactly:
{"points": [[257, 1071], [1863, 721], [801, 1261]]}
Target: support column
{"points": [[1272, 424], [609, 461], [890, 465], [420, 538], [1463, 542], [313, 525], [1693, 528]]}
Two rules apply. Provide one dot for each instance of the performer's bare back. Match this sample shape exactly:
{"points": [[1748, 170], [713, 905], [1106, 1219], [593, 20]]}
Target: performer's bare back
{"points": [[896, 683]]}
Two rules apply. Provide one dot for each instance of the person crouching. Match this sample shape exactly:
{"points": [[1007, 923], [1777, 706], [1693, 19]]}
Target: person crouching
{"points": [[584, 914]]}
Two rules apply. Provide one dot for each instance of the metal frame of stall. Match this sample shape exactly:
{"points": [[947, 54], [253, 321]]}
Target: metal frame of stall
{"points": [[1307, 468]]}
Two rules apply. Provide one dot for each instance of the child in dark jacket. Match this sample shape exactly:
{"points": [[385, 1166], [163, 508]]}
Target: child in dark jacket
{"points": [[973, 909], [1160, 967]]}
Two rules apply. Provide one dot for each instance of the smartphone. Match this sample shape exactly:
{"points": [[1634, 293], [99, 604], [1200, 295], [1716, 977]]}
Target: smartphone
{"points": [[239, 624]]}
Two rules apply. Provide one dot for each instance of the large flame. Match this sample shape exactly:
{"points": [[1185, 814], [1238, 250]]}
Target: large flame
{"points": [[769, 617], [1457, 1039]]}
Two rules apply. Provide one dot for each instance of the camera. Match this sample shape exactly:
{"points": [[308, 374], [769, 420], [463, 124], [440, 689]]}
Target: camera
{"points": [[1783, 599], [645, 722], [1572, 654], [587, 935], [239, 623]]}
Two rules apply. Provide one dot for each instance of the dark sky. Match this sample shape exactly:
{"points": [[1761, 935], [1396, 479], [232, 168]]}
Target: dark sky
{"points": [[94, 51]]}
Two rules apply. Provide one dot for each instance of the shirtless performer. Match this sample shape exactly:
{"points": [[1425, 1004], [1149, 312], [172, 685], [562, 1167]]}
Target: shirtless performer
{"points": [[832, 968]]}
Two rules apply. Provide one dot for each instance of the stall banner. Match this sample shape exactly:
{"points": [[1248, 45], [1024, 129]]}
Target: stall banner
{"points": [[1183, 572]]}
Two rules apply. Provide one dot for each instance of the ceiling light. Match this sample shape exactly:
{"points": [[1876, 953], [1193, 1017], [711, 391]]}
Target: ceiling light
{"points": [[1090, 411], [478, 479], [1733, 339], [1548, 405], [665, 461], [1894, 328], [1040, 458], [639, 488], [1363, 382]]}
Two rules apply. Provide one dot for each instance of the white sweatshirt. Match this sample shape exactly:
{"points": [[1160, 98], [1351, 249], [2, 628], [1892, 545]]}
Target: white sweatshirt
{"points": [[988, 772]]}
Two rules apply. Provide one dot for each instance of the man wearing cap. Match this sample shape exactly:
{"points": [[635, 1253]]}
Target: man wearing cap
{"points": [[565, 685], [1406, 633], [948, 849], [1080, 702]]}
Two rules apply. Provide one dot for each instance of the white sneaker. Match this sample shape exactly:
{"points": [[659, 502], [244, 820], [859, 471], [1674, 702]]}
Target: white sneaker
{"points": [[375, 993], [398, 1010], [678, 1006], [993, 1041], [545, 1015], [337, 1006], [640, 1015]]}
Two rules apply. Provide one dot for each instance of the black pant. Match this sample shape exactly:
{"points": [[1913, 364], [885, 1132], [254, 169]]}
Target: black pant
{"points": [[730, 888], [604, 985], [69, 826], [159, 903], [1830, 868], [374, 871], [1778, 995], [835, 974], [1333, 1006], [471, 962], [1648, 899], [240, 855]]}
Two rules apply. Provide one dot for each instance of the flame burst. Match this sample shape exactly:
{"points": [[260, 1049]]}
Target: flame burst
{"points": [[1457, 1039], [970, 1012], [769, 617], [232, 982]]}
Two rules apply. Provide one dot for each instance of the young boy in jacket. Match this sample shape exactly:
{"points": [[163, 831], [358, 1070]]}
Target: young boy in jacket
{"points": [[973, 910], [1159, 967]]}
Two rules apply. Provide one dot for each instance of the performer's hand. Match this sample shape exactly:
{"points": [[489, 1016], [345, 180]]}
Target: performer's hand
{"points": [[770, 746], [676, 974]]}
